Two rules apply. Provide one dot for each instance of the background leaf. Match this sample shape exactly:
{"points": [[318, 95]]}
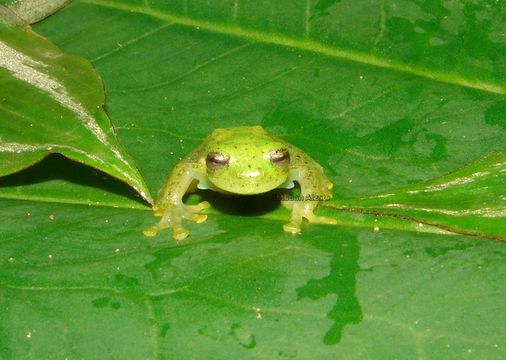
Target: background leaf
{"points": [[384, 95]]}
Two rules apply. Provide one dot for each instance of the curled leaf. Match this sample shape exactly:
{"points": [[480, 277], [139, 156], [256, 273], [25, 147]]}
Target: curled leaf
{"points": [[52, 103], [471, 200]]}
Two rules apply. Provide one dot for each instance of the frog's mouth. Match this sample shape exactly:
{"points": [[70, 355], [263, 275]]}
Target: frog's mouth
{"points": [[244, 185]]}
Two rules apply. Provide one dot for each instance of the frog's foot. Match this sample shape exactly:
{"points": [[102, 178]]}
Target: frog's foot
{"points": [[305, 211], [157, 211], [172, 218]]}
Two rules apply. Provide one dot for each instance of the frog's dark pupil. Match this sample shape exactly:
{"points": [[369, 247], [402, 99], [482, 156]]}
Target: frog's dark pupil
{"points": [[216, 160], [280, 156]]}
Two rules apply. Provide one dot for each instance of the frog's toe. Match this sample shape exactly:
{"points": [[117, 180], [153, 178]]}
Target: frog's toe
{"points": [[329, 185], [198, 218], [292, 227], [155, 229], [179, 233], [151, 231], [199, 207], [157, 211], [322, 220]]}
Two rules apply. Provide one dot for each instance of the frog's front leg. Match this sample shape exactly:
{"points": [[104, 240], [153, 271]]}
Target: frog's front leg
{"points": [[314, 188], [170, 206]]}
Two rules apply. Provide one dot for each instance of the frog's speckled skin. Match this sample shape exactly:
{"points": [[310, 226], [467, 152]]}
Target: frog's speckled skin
{"points": [[249, 171]]}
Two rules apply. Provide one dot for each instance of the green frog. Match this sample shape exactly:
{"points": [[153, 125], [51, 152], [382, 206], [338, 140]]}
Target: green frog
{"points": [[243, 160]]}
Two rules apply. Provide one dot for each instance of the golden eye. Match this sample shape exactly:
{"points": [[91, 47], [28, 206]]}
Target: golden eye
{"points": [[216, 161], [280, 157]]}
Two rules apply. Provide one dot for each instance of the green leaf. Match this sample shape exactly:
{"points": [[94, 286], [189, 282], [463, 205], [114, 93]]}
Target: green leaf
{"points": [[385, 96], [52, 103], [34, 10], [470, 201]]}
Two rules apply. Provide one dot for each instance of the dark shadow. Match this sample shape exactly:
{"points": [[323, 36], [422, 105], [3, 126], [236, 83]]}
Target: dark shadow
{"points": [[243, 205], [58, 167]]}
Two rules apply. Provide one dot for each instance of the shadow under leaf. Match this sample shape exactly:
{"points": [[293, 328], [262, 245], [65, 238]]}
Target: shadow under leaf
{"points": [[58, 177]]}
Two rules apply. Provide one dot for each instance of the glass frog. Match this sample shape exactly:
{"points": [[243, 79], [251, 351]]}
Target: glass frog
{"points": [[243, 160]]}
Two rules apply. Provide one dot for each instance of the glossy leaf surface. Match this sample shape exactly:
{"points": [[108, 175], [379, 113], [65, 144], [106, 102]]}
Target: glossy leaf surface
{"points": [[32, 11], [385, 96], [471, 200], [52, 103]]}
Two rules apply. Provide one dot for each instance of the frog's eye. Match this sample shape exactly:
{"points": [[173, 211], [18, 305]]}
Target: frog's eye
{"points": [[280, 157], [216, 161]]}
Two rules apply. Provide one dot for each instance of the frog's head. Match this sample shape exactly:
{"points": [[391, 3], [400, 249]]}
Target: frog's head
{"points": [[247, 165]]}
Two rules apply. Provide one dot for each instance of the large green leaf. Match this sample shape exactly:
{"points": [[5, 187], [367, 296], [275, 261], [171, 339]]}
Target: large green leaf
{"points": [[384, 95], [52, 103]]}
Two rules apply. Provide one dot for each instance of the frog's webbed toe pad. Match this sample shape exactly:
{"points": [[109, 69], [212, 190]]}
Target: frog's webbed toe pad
{"points": [[172, 217], [321, 219], [199, 207], [151, 231], [196, 218], [180, 233], [292, 227]]}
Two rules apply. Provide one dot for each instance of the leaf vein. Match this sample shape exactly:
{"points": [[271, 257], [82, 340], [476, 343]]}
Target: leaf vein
{"points": [[189, 72], [131, 42], [306, 45]]}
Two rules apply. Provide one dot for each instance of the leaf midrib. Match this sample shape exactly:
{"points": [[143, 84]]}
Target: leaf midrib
{"points": [[303, 45], [279, 218]]}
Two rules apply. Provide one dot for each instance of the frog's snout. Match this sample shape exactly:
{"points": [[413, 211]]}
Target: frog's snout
{"points": [[250, 174]]}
